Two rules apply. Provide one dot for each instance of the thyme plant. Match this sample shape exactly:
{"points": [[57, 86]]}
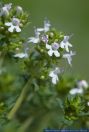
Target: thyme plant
{"points": [[35, 94]]}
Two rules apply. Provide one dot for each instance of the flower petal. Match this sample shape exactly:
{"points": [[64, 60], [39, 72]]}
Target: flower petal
{"points": [[8, 24], [11, 29], [62, 45], [55, 79], [40, 29], [18, 29], [33, 40], [76, 91], [73, 91], [56, 53], [48, 46], [66, 48], [21, 55], [69, 60], [50, 52], [69, 44], [51, 74]]}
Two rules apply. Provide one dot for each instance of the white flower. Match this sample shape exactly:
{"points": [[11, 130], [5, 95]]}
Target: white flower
{"points": [[46, 27], [68, 56], [5, 10], [76, 91], [83, 84], [8, 6], [53, 49], [21, 55], [35, 39], [65, 43], [14, 25], [88, 103], [80, 87], [54, 75]]}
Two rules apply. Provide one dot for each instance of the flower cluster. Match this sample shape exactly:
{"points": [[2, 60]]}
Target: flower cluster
{"points": [[14, 25], [81, 86], [55, 44], [50, 43], [12, 21], [12, 18], [26, 67]]}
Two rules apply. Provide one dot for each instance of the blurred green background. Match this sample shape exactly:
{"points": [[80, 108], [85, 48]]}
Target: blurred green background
{"points": [[69, 16]]}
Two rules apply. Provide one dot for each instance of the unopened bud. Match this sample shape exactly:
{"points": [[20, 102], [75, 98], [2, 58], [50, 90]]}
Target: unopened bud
{"points": [[17, 49], [41, 50], [23, 21], [42, 77], [2, 28], [51, 34], [19, 10], [21, 25], [20, 42], [56, 40]]}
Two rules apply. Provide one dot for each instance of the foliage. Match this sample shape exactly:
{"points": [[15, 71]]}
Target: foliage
{"points": [[34, 91]]}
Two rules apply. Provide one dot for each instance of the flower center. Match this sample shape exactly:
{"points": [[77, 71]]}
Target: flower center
{"points": [[55, 46], [45, 38], [15, 22]]}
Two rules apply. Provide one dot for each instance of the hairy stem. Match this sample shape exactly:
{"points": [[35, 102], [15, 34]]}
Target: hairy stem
{"points": [[19, 101]]}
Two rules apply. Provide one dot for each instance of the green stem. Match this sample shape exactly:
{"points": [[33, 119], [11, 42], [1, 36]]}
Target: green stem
{"points": [[19, 101], [26, 124]]}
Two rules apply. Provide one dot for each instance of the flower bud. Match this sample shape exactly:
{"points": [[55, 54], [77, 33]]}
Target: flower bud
{"points": [[19, 10], [23, 21], [41, 50], [51, 34], [17, 49], [20, 42], [21, 25], [2, 28], [42, 77]]}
